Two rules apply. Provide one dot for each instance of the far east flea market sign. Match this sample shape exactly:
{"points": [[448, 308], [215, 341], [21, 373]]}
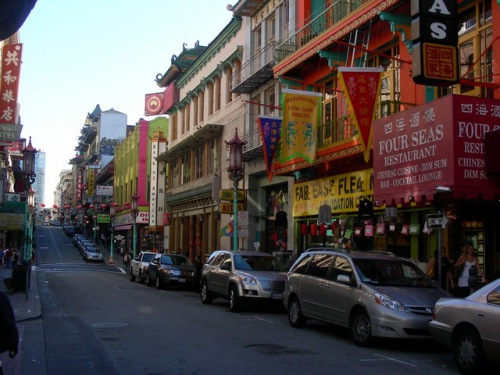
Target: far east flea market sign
{"points": [[441, 143]]}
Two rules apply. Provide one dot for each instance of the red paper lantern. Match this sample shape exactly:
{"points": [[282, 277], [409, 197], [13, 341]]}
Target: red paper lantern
{"points": [[54, 206], [79, 207], [91, 206], [42, 205]]}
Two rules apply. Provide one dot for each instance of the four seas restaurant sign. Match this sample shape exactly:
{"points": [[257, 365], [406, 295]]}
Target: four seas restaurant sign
{"points": [[440, 143]]}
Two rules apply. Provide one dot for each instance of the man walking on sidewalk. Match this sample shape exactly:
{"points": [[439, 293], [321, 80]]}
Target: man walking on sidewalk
{"points": [[9, 336]]}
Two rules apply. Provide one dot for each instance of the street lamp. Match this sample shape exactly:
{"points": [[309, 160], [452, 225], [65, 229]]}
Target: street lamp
{"points": [[235, 173], [112, 212], [135, 212]]}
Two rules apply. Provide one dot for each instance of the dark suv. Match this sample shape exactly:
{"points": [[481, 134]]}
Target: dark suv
{"points": [[370, 293], [242, 276]]}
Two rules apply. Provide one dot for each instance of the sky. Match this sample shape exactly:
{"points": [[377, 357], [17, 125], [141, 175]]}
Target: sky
{"points": [[80, 53]]}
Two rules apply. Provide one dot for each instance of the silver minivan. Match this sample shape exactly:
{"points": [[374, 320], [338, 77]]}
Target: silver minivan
{"points": [[372, 294]]}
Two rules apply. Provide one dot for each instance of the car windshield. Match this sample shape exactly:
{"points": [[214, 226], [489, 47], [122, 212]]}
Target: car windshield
{"points": [[175, 260], [147, 257], [395, 272], [257, 263]]}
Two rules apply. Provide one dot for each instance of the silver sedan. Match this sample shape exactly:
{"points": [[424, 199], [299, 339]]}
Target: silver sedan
{"points": [[470, 327]]}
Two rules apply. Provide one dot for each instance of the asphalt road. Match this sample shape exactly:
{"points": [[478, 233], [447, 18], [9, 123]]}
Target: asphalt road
{"points": [[95, 320]]}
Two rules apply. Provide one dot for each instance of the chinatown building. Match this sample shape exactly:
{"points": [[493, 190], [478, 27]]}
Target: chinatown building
{"points": [[403, 142]]}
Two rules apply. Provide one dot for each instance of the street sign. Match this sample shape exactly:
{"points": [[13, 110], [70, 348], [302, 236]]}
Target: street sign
{"points": [[437, 221], [228, 195], [227, 208]]}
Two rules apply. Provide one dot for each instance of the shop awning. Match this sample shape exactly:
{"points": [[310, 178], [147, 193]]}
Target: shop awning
{"points": [[433, 148]]}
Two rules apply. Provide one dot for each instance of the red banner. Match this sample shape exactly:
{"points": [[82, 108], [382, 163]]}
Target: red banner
{"points": [[361, 86], [11, 69], [438, 144]]}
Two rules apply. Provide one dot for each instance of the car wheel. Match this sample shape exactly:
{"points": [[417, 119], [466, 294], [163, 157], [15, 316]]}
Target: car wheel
{"points": [[361, 329], [234, 299], [158, 282], [468, 351], [206, 297], [295, 317]]}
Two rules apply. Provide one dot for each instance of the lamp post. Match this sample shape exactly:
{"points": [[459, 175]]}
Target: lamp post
{"points": [[112, 212], [135, 212], [29, 176], [235, 173]]}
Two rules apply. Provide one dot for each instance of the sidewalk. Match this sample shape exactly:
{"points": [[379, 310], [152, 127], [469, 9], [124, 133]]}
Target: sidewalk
{"points": [[26, 306]]}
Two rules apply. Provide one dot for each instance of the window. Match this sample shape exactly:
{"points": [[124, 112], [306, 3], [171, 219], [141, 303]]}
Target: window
{"points": [[257, 35], [237, 69], [301, 266], [341, 267], [229, 84], [201, 106], [217, 93], [174, 126], [188, 117], [198, 162], [320, 265], [270, 101], [212, 157], [195, 110], [271, 28], [183, 120], [186, 168], [211, 98]]}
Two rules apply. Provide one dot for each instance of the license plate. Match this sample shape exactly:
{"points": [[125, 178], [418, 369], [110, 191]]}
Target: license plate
{"points": [[276, 296], [182, 280]]}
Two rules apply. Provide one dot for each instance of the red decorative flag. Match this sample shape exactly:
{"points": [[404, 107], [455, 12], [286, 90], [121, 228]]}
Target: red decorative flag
{"points": [[361, 86], [269, 128], [11, 68]]}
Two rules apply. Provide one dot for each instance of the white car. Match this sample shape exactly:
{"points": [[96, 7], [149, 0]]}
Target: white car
{"points": [[470, 327]]}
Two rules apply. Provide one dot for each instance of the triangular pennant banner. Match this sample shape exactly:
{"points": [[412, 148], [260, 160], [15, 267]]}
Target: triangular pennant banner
{"points": [[361, 86], [269, 128]]}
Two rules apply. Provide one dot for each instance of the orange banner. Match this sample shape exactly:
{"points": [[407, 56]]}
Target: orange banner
{"points": [[361, 86]]}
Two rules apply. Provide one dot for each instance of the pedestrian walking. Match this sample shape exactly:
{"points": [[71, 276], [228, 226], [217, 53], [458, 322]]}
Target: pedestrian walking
{"points": [[466, 270], [15, 258], [9, 335], [8, 258], [126, 259]]}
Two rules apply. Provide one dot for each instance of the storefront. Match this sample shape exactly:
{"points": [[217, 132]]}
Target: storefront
{"points": [[434, 155]]}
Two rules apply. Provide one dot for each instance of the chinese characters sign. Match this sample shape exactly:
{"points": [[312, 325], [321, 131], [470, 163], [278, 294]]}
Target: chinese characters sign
{"points": [[434, 32], [440, 143], [301, 119], [361, 86], [11, 68]]}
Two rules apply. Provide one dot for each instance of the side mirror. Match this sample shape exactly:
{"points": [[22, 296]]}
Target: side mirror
{"points": [[345, 279]]}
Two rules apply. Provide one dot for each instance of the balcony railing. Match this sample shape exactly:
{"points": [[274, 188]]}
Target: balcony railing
{"points": [[316, 25], [256, 71]]}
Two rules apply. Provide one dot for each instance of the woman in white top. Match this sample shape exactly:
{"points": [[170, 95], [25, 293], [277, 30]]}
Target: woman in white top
{"points": [[470, 269]]}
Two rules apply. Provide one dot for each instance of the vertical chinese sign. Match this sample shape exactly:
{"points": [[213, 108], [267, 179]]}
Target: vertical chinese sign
{"points": [[361, 86], [301, 119], [11, 69]]}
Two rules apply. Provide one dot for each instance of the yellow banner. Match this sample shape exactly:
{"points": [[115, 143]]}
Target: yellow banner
{"points": [[341, 192], [301, 119]]}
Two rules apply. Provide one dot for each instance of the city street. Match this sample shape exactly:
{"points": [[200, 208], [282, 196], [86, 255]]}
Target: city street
{"points": [[95, 320]]}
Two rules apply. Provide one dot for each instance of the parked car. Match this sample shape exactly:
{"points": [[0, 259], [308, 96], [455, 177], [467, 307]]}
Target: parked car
{"points": [[372, 294], [92, 253], [470, 327], [139, 266], [170, 269], [242, 276], [69, 230]]}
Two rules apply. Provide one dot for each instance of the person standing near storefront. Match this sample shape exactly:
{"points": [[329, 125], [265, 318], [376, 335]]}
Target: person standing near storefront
{"points": [[466, 269], [432, 270]]}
